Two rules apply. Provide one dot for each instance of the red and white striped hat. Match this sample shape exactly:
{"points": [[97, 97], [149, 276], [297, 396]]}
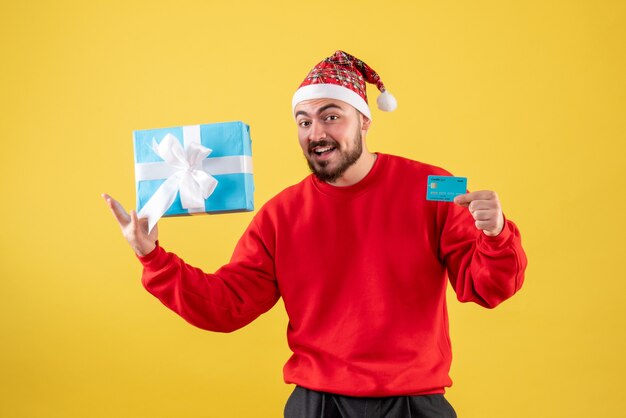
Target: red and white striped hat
{"points": [[342, 77]]}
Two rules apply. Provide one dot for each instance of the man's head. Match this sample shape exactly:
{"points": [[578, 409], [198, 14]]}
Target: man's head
{"points": [[332, 113], [332, 136]]}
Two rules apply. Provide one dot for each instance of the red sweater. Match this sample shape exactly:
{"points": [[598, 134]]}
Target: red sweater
{"points": [[362, 272]]}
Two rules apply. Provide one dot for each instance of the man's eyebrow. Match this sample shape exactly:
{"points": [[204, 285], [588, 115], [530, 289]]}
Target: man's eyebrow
{"points": [[320, 110], [328, 106], [301, 112]]}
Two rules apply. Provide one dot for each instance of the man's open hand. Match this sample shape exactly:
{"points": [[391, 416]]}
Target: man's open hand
{"points": [[486, 210], [134, 230]]}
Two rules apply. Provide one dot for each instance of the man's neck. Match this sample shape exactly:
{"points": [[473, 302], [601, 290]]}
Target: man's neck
{"points": [[357, 171]]}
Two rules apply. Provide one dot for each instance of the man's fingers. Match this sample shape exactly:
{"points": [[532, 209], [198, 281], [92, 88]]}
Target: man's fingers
{"points": [[477, 205], [485, 208], [484, 215], [462, 200], [142, 242], [485, 225], [117, 209], [135, 233], [134, 223], [484, 195], [467, 198], [139, 225], [135, 230]]}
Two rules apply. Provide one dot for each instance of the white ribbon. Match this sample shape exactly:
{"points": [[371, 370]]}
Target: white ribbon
{"points": [[186, 176]]}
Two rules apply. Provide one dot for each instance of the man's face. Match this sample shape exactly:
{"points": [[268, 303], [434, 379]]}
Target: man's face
{"points": [[330, 135]]}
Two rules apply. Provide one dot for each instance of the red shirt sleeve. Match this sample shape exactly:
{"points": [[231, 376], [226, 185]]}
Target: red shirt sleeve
{"points": [[227, 300], [482, 269]]}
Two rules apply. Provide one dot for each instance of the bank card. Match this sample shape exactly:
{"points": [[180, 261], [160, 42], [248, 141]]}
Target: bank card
{"points": [[445, 188]]}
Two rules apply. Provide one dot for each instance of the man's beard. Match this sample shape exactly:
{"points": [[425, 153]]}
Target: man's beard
{"points": [[346, 159]]}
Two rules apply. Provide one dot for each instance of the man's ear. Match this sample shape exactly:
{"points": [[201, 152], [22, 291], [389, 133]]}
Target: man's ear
{"points": [[365, 122]]}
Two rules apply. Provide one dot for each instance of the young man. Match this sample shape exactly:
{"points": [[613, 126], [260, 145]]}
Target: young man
{"points": [[360, 258]]}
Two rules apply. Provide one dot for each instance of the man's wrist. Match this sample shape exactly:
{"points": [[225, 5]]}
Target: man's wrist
{"points": [[146, 250]]}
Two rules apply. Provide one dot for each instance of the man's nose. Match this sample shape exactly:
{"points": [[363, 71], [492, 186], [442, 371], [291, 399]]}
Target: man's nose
{"points": [[316, 132]]}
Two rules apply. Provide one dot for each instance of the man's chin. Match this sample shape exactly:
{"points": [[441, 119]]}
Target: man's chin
{"points": [[317, 166], [326, 177], [326, 173]]}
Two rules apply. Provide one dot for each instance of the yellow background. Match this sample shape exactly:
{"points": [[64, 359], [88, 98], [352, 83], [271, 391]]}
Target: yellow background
{"points": [[525, 97]]}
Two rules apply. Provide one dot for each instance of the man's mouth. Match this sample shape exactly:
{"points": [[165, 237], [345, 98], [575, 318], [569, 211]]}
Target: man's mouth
{"points": [[319, 151], [322, 149]]}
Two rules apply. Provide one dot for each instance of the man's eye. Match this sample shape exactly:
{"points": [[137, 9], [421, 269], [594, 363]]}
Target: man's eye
{"points": [[332, 117], [304, 123]]}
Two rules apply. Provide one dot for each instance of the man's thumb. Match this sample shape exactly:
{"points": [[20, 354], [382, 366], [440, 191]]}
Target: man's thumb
{"points": [[462, 200]]}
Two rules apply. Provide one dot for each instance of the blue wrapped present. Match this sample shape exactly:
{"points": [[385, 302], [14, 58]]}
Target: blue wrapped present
{"points": [[193, 169]]}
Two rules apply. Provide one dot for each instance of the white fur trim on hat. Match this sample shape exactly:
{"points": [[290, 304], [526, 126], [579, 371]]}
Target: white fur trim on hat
{"points": [[330, 91]]}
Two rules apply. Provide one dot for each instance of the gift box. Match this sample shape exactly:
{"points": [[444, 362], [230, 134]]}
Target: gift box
{"points": [[193, 169]]}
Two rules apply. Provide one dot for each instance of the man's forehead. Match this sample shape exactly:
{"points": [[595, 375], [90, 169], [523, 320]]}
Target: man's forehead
{"points": [[312, 106]]}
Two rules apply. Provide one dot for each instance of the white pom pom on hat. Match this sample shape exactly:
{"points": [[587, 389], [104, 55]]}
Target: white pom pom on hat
{"points": [[343, 77], [385, 101]]}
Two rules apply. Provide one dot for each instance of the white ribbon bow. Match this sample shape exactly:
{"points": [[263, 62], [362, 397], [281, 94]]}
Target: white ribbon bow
{"points": [[188, 178]]}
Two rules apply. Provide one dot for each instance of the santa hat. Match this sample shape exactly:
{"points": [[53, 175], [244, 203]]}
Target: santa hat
{"points": [[342, 77]]}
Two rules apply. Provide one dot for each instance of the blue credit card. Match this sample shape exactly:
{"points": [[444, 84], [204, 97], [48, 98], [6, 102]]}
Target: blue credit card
{"points": [[445, 188]]}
